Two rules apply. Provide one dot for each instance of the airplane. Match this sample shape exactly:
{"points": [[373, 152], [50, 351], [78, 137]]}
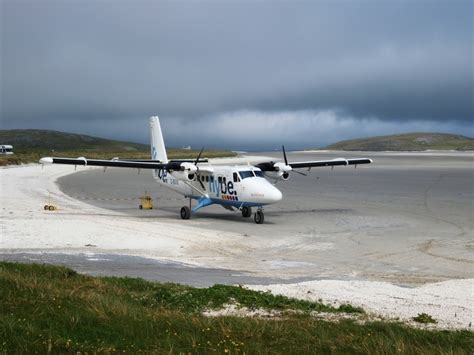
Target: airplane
{"points": [[234, 187]]}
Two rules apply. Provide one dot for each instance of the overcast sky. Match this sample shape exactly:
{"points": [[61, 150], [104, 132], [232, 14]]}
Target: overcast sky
{"points": [[240, 74]]}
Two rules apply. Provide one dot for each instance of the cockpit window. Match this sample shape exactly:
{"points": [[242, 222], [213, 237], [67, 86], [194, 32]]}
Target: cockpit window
{"points": [[236, 177], [246, 174], [258, 173]]}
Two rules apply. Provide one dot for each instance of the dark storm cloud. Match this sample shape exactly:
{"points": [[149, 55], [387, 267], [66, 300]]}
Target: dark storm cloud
{"points": [[90, 64]]}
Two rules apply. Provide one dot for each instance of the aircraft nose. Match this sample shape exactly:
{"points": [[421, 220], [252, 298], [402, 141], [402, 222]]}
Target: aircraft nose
{"points": [[273, 194]]}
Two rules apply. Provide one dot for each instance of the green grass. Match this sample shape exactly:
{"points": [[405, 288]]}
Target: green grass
{"points": [[53, 309], [407, 142]]}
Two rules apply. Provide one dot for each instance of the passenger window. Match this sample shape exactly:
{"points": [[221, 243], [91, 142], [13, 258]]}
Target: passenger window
{"points": [[207, 178], [219, 179]]}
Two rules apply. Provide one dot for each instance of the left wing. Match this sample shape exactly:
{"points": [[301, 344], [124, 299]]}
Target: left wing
{"points": [[332, 162], [281, 169], [280, 166]]}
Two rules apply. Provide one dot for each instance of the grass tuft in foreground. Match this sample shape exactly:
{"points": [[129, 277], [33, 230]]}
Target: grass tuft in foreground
{"points": [[424, 318], [195, 300], [53, 309]]}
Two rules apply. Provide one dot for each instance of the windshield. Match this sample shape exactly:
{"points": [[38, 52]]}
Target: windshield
{"points": [[258, 173], [246, 174]]}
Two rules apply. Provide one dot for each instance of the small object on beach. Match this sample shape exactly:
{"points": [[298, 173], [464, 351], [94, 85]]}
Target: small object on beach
{"points": [[146, 202], [49, 206]]}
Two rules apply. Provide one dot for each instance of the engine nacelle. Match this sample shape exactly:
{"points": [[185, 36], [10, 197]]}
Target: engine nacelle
{"points": [[282, 167], [278, 175], [183, 175], [188, 167]]}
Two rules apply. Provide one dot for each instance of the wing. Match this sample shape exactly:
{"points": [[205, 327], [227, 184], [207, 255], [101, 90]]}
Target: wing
{"points": [[117, 163], [332, 162], [100, 162], [280, 166]]}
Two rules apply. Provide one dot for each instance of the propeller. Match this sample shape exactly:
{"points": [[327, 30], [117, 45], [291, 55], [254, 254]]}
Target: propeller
{"points": [[198, 175], [299, 172], [198, 157], [286, 162], [284, 155]]}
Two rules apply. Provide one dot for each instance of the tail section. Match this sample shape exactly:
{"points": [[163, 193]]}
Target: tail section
{"points": [[158, 151]]}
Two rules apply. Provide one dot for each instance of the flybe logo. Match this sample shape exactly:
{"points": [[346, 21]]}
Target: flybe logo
{"points": [[221, 187]]}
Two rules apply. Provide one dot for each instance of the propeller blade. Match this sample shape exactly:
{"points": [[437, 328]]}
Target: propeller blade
{"points": [[284, 155], [199, 157], [200, 182], [299, 172]]}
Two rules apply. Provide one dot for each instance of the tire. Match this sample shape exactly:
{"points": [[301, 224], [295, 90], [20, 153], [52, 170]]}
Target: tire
{"points": [[258, 217], [140, 207], [51, 208], [246, 211], [46, 207], [185, 212]]}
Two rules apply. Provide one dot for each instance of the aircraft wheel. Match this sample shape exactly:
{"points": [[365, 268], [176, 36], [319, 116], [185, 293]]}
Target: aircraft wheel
{"points": [[51, 208], [46, 207], [246, 211], [140, 207], [258, 217], [185, 212]]}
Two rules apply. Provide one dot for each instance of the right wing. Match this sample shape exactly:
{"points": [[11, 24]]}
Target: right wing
{"points": [[100, 162], [174, 165]]}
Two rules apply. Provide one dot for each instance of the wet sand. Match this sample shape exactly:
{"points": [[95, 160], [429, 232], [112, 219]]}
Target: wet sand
{"points": [[407, 219]]}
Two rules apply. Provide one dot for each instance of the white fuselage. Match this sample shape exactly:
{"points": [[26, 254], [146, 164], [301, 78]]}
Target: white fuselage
{"points": [[235, 186]]}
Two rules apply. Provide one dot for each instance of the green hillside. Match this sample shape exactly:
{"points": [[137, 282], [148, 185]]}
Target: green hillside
{"points": [[407, 142], [22, 139], [29, 145]]}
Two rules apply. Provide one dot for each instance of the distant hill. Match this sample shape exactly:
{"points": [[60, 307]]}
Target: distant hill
{"points": [[29, 145], [407, 142], [38, 139]]}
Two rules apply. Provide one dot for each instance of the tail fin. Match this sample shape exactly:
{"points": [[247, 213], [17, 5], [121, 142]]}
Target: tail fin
{"points": [[158, 151]]}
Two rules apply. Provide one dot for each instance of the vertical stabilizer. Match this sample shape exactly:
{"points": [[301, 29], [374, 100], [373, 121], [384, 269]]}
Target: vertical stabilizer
{"points": [[158, 151]]}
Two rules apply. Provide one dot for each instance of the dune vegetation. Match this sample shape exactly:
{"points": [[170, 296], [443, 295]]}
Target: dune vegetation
{"points": [[52, 309]]}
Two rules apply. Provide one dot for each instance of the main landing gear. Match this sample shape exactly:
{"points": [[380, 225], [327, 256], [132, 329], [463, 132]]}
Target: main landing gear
{"points": [[246, 211], [185, 212]]}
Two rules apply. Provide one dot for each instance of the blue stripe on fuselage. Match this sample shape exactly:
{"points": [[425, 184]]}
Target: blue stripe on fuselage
{"points": [[236, 204]]}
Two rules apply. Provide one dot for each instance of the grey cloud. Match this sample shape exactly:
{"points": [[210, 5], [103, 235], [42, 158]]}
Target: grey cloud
{"points": [[110, 63]]}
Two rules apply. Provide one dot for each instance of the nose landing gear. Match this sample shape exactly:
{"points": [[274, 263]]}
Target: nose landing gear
{"points": [[259, 217]]}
